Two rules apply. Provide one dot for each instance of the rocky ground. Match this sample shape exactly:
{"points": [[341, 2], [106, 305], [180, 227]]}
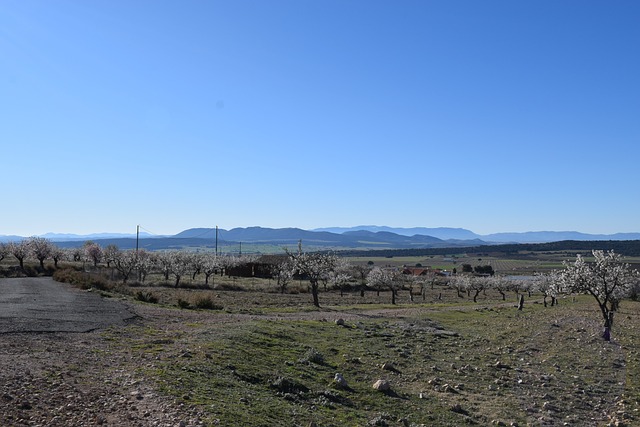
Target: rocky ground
{"points": [[90, 379], [83, 379], [75, 379]]}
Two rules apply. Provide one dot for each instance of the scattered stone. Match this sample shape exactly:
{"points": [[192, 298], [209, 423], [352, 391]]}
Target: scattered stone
{"points": [[340, 322], [448, 389], [382, 385], [339, 381]]}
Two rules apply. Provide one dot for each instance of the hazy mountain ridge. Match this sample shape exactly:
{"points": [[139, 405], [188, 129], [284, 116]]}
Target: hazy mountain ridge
{"points": [[366, 236], [448, 233], [443, 233]]}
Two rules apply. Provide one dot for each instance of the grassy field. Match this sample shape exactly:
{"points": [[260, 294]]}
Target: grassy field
{"points": [[502, 265], [261, 358], [270, 359]]}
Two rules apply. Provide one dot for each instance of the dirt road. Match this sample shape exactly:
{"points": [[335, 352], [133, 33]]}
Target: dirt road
{"points": [[58, 370], [44, 305]]}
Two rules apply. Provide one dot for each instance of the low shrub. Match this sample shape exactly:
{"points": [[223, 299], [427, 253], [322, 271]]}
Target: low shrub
{"points": [[229, 287], [146, 297], [82, 279], [206, 303], [313, 356], [30, 271], [183, 304]]}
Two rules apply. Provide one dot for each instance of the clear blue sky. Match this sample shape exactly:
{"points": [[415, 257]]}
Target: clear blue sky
{"points": [[488, 115]]}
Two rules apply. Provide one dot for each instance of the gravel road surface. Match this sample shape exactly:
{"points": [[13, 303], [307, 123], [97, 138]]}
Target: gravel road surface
{"points": [[44, 305]]}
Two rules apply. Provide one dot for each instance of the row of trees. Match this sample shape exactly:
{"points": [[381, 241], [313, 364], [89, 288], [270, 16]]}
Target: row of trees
{"points": [[607, 278], [174, 264]]}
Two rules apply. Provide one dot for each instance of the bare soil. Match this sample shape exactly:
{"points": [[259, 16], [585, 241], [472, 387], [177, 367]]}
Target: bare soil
{"points": [[88, 379]]}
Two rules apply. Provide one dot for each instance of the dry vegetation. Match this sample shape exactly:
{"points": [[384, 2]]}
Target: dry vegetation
{"points": [[242, 353]]}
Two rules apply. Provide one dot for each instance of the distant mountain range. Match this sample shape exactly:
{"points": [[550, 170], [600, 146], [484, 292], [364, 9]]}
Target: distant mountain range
{"points": [[447, 233], [361, 237]]}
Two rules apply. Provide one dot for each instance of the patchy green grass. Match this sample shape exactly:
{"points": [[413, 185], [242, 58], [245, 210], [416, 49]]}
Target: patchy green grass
{"points": [[455, 365]]}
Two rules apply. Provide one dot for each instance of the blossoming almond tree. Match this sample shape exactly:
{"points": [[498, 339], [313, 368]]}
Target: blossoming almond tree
{"points": [[41, 248], [313, 266], [125, 262], [20, 250], [283, 273], [548, 285], [380, 278], [608, 279]]}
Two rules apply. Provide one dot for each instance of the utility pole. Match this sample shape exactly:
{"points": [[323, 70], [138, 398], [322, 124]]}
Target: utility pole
{"points": [[137, 238], [216, 240]]}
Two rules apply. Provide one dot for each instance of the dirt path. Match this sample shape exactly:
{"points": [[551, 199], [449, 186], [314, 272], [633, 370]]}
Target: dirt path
{"points": [[57, 369], [44, 305]]}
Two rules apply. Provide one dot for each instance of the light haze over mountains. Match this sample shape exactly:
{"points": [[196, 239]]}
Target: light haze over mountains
{"points": [[381, 235]]}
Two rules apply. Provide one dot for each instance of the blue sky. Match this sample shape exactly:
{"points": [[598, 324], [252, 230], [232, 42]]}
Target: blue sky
{"points": [[489, 115]]}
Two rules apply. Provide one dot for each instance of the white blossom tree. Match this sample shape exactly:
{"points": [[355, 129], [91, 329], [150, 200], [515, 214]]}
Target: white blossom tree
{"points": [[380, 278], [478, 284], [283, 273], [179, 265], [340, 276], [162, 261], [501, 284], [41, 248], [313, 266], [125, 262], [110, 253], [20, 250], [77, 254], [93, 252], [145, 264], [548, 285], [607, 279], [58, 255], [227, 262], [460, 283], [210, 265], [196, 263], [360, 272]]}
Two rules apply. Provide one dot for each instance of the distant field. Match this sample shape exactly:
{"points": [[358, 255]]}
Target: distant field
{"points": [[449, 262]]}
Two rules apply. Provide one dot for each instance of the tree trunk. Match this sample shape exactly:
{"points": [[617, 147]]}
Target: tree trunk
{"points": [[521, 302], [314, 293]]}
